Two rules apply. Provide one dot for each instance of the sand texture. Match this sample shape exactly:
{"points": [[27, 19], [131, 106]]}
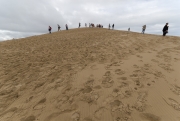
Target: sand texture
{"points": [[90, 74]]}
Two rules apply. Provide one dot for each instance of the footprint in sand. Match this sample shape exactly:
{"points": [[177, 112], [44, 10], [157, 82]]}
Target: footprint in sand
{"points": [[116, 64], [75, 116], [94, 67], [87, 89], [154, 60], [135, 66], [99, 112], [123, 78], [125, 92], [123, 84], [29, 99], [29, 118], [139, 56], [87, 119], [119, 72], [150, 117], [166, 67], [134, 75], [52, 116], [121, 112], [138, 83], [67, 108], [148, 84], [90, 98], [115, 92], [158, 74], [176, 59], [106, 102], [97, 87], [121, 116], [90, 82], [8, 114], [108, 73], [66, 89], [62, 100], [107, 81], [38, 85], [40, 104], [176, 89], [140, 102], [116, 104], [173, 103]]}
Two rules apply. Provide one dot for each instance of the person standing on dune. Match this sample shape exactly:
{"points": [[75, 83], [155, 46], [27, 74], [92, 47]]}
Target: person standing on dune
{"points": [[165, 29], [66, 27], [143, 29], [113, 26], [79, 25], [58, 27], [50, 29]]}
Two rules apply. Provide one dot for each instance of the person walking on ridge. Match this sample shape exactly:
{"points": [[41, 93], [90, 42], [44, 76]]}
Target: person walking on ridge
{"points": [[85, 25], [113, 26], [50, 29], [165, 29], [66, 27], [143, 29], [79, 25], [129, 29], [58, 27]]}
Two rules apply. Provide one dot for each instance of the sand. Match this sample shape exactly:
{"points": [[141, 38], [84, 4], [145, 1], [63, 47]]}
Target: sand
{"points": [[90, 74]]}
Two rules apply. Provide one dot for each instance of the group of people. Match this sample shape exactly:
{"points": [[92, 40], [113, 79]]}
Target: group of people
{"points": [[110, 26], [91, 25], [99, 26], [59, 27], [165, 28]]}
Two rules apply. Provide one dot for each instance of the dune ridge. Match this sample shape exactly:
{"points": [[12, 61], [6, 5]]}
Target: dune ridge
{"points": [[90, 74]]}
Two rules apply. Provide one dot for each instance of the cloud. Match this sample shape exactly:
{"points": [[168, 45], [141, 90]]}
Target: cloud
{"points": [[22, 18]]}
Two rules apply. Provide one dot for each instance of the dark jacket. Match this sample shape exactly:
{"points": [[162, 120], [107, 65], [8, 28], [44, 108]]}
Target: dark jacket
{"points": [[165, 28]]}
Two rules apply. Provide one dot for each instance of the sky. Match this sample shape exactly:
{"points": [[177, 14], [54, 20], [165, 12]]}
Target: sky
{"points": [[23, 18]]}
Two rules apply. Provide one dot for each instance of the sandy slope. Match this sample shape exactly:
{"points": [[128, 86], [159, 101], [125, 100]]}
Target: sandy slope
{"points": [[90, 75]]}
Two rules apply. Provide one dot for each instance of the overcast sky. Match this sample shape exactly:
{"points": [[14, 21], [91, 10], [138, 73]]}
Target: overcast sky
{"points": [[22, 18]]}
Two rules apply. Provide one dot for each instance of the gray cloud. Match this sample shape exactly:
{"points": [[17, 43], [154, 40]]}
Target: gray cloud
{"points": [[22, 18]]}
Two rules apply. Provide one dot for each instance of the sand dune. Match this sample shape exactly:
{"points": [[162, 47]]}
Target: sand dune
{"points": [[90, 74]]}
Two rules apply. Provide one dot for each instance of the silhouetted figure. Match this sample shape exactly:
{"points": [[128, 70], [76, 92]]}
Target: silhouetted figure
{"points": [[66, 27], [143, 29], [109, 26], [85, 25], [79, 25], [92, 25], [50, 30], [165, 29], [128, 29], [58, 27], [113, 26]]}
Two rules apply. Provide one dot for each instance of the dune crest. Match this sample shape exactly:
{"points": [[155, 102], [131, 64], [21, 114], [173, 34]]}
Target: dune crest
{"points": [[90, 74]]}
